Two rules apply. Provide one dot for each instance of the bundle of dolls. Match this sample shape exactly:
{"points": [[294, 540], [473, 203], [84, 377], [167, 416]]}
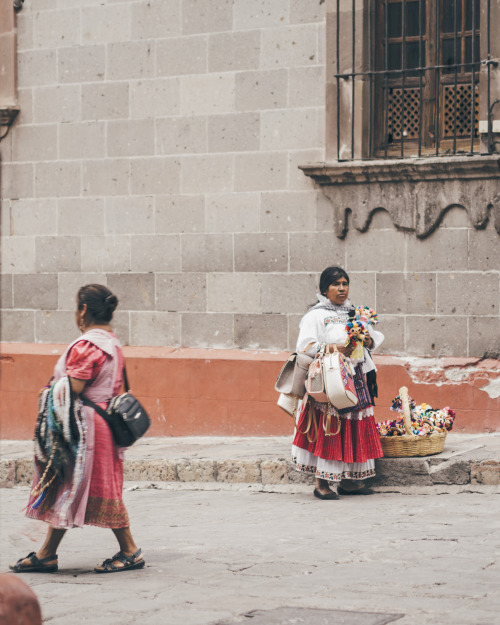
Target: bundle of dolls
{"points": [[424, 420], [357, 329]]}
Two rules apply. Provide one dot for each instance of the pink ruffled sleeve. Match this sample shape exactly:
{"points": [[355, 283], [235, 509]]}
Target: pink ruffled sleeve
{"points": [[84, 361]]}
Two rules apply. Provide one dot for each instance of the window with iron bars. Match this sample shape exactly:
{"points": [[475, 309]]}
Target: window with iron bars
{"points": [[416, 81]]}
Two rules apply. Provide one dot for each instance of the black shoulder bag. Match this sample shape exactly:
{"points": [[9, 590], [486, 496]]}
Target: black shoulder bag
{"points": [[125, 416]]}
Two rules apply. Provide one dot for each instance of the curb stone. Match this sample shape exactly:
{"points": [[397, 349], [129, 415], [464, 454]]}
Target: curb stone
{"points": [[467, 459]]}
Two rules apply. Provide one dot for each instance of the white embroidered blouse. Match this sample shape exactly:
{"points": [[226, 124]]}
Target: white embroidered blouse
{"points": [[320, 326]]}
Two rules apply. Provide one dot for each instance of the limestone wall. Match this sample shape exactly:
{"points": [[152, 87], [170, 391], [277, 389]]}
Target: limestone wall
{"points": [[157, 151]]}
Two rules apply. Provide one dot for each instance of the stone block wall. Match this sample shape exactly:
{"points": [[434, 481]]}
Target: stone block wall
{"points": [[157, 151]]}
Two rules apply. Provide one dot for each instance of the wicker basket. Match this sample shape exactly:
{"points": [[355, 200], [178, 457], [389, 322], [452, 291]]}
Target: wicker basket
{"points": [[410, 445]]}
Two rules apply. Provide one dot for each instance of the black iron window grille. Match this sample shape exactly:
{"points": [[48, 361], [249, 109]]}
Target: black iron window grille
{"points": [[424, 70]]}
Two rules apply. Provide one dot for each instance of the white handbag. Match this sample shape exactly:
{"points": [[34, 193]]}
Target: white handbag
{"points": [[338, 380], [288, 403]]}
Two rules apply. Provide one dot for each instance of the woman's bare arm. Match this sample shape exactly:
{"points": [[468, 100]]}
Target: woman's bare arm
{"points": [[77, 385]]}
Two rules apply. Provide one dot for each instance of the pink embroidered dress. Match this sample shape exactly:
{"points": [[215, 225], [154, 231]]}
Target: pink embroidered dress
{"points": [[91, 491]]}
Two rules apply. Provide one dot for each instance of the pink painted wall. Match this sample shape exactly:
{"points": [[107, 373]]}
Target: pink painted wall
{"points": [[190, 392]]}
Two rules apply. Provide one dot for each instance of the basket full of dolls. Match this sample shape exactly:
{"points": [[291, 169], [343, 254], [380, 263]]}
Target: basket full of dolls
{"points": [[417, 430]]}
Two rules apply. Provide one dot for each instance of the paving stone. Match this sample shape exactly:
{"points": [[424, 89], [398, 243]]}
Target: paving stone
{"points": [[196, 470], [274, 471], [161, 470], [486, 472], [7, 473], [314, 616], [24, 472], [238, 471]]}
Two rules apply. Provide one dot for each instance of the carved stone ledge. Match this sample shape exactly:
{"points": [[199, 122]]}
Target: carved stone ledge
{"points": [[415, 192]]}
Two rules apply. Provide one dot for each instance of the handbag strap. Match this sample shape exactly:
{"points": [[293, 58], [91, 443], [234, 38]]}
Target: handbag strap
{"points": [[88, 402], [104, 414]]}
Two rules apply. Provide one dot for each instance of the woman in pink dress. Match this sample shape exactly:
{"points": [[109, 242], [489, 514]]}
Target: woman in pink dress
{"points": [[89, 489]]}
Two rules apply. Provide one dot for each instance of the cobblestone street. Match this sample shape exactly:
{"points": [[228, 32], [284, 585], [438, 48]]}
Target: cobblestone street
{"points": [[223, 551]]}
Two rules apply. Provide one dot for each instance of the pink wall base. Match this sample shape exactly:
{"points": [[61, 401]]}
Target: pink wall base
{"points": [[201, 392]]}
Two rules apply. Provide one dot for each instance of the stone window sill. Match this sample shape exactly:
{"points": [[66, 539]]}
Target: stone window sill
{"points": [[416, 192]]}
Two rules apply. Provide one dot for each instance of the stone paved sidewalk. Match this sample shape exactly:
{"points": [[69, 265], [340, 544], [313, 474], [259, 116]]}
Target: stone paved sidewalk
{"points": [[236, 554], [467, 459]]}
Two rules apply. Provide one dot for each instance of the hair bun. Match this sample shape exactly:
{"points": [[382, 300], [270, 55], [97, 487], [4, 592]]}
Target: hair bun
{"points": [[111, 301]]}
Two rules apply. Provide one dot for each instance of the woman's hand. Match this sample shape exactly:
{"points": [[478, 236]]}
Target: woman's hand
{"points": [[347, 351], [368, 341]]}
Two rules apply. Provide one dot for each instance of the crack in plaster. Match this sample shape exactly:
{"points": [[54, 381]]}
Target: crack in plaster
{"points": [[433, 371]]}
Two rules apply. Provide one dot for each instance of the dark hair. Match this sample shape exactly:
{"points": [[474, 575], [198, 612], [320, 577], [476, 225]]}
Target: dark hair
{"points": [[329, 276], [101, 303]]}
